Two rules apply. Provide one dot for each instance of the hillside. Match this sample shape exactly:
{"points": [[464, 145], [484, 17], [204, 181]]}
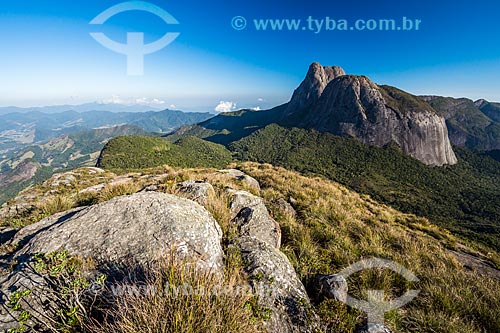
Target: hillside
{"points": [[38, 161], [349, 106], [324, 228], [135, 152], [463, 198], [470, 124]]}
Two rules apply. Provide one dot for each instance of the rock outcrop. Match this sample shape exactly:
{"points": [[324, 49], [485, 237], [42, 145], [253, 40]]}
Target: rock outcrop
{"points": [[354, 106], [142, 226], [311, 89], [272, 276], [250, 214]]}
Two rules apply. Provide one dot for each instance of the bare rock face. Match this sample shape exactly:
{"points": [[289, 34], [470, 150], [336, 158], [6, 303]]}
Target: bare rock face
{"points": [[196, 191], [272, 276], [253, 220], [241, 176], [310, 90], [354, 106], [332, 286], [278, 287], [143, 226]]}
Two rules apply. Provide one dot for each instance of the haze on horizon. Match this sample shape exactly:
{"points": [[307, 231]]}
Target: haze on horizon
{"points": [[49, 57]]}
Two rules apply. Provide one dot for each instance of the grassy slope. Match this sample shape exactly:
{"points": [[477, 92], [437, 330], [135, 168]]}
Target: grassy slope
{"points": [[464, 198], [135, 152], [334, 227]]}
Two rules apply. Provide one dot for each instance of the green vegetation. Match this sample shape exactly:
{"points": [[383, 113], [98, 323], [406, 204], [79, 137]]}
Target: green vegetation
{"points": [[65, 284], [400, 100], [136, 152], [464, 198], [467, 124], [65, 152], [335, 227]]}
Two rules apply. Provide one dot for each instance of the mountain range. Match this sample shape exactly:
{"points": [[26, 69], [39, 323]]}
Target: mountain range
{"points": [[34, 145], [110, 107]]}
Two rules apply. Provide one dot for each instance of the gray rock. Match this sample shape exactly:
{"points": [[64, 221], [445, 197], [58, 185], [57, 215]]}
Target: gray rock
{"points": [[310, 90], [332, 286], [252, 217], [142, 226], [93, 189], [196, 191], [272, 276], [150, 188], [354, 106], [285, 208], [374, 328], [278, 288], [241, 176]]}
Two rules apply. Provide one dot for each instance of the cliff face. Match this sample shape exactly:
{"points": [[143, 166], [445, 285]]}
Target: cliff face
{"points": [[354, 106], [312, 87], [475, 125]]}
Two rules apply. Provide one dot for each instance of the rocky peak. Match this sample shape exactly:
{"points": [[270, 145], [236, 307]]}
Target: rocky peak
{"points": [[314, 83], [480, 103], [354, 106]]}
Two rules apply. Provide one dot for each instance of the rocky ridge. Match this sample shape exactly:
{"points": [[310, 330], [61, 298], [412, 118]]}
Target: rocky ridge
{"points": [[147, 226], [354, 106]]}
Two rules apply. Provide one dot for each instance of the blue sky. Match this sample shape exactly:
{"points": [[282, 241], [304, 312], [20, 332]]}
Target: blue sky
{"points": [[48, 57]]}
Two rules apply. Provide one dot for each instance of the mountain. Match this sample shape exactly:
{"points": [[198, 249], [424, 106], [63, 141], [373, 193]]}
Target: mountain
{"points": [[475, 125], [38, 126], [36, 162], [463, 198], [112, 107], [135, 152], [349, 106], [490, 109]]}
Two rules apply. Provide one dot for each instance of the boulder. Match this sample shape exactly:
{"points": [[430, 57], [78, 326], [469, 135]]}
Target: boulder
{"points": [[278, 288], [252, 217], [140, 228], [244, 178], [332, 286], [196, 191], [285, 208]]}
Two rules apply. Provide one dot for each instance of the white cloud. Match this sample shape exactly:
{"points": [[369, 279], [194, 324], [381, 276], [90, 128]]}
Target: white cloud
{"points": [[224, 106], [116, 99], [148, 101], [256, 108], [260, 99], [172, 106]]}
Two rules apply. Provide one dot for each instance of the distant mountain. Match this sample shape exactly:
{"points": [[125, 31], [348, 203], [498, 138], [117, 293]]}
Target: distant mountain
{"points": [[464, 198], [19, 130], [475, 125], [112, 107], [345, 105], [38, 126], [37, 162]]}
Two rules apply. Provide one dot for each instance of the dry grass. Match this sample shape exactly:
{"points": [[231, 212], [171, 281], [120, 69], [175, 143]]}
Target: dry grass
{"points": [[190, 302], [336, 227]]}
